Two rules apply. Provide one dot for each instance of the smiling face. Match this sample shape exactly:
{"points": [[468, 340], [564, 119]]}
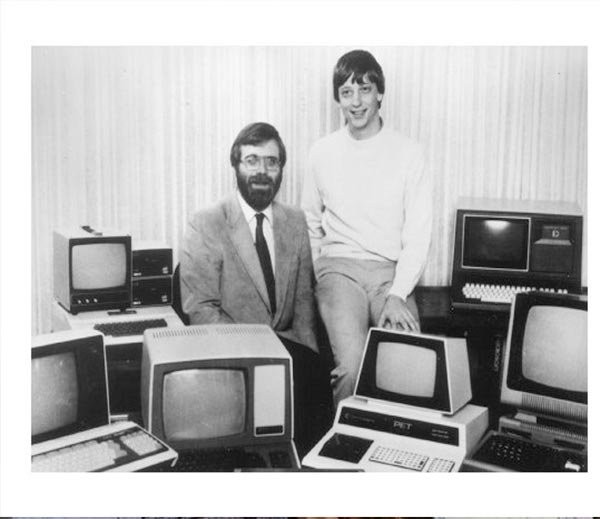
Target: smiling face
{"points": [[258, 179], [359, 102]]}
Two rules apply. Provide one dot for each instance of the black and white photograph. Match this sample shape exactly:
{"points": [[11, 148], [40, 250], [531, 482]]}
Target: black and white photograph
{"points": [[380, 255], [300, 260]]}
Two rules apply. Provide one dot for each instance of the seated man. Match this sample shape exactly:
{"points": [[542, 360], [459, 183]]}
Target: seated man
{"points": [[368, 203], [248, 259]]}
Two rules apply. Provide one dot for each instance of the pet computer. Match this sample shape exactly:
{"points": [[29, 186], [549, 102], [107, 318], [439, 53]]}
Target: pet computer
{"points": [[70, 424], [409, 411], [544, 377], [221, 395]]}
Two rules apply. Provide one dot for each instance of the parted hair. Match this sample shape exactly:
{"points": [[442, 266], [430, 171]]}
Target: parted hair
{"points": [[358, 64], [254, 134]]}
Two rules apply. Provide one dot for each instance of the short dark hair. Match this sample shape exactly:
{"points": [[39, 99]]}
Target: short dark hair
{"points": [[253, 134], [357, 63]]}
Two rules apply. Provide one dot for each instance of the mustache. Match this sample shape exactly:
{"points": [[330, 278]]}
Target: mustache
{"points": [[260, 179]]}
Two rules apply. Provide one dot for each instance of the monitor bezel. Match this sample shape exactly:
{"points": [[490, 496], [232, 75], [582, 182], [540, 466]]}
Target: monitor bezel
{"points": [[514, 380], [247, 365], [93, 408], [365, 385]]}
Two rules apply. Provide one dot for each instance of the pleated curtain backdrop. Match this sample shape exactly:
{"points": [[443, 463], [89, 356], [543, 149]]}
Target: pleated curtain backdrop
{"points": [[138, 138]]}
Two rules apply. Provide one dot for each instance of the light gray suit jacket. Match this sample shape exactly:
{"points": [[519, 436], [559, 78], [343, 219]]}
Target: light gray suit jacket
{"points": [[221, 277]]}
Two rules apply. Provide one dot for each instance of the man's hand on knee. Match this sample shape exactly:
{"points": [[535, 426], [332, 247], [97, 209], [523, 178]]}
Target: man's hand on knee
{"points": [[396, 315]]}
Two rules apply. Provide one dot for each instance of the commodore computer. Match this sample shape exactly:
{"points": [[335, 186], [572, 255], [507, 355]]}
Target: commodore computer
{"points": [[409, 411], [221, 395], [544, 378], [70, 424]]}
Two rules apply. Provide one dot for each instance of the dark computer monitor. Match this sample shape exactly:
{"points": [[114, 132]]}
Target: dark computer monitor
{"points": [[545, 359], [215, 386], [424, 371], [68, 384], [508, 242], [92, 270], [495, 242]]}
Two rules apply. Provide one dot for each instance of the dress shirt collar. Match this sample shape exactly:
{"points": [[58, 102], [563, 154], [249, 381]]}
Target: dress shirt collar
{"points": [[250, 213]]}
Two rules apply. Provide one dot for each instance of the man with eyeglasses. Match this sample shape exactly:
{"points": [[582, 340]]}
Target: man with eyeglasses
{"points": [[368, 205], [247, 259]]}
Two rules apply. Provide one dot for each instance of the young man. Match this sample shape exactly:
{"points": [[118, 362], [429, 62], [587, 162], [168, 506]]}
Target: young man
{"points": [[368, 205], [247, 259]]}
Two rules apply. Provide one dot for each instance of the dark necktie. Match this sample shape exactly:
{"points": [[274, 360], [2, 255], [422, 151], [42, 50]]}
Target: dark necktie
{"points": [[265, 260]]}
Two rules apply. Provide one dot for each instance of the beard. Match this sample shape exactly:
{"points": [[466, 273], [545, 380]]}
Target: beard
{"points": [[258, 190]]}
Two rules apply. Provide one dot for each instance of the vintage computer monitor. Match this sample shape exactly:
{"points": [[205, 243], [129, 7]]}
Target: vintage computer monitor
{"points": [[544, 377], [92, 269], [68, 384], [221, 395], [70, 424], [544, 372], [505, 246], [425, 372], [409, 410]]}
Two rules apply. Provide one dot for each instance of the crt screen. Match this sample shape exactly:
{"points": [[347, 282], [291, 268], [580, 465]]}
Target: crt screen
{"points": [[405, 369], [555, 347], [495, 243], [200, 404], [99, 265], [54, 392]]}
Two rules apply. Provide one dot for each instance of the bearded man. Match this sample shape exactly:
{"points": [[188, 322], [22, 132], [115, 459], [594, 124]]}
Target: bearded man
{"points": [[248, 259]]}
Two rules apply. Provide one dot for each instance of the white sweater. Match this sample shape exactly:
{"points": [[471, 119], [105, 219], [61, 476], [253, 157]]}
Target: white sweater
{"points": [[370, 199]]}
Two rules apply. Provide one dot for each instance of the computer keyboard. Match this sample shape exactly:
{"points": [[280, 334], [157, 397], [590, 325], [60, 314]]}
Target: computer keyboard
{"points": [[218, 460], [487, 293], [99, 454], [123, 328], [409, 460], [510, 453]]}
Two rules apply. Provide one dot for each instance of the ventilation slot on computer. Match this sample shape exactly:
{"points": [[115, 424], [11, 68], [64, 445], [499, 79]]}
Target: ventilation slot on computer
{"points": [[546, 406], [180, 332], [243, 331]]}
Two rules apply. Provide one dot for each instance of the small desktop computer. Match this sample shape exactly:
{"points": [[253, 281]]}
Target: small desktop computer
{"points": [[221, 395], [152, 274], [101, 284], [409, 411], [92, 269], [544, 378], [502, 247], [71, 429]]}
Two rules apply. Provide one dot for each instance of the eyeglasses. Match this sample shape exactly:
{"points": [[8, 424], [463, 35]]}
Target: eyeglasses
{"points": [[252, 162]]}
